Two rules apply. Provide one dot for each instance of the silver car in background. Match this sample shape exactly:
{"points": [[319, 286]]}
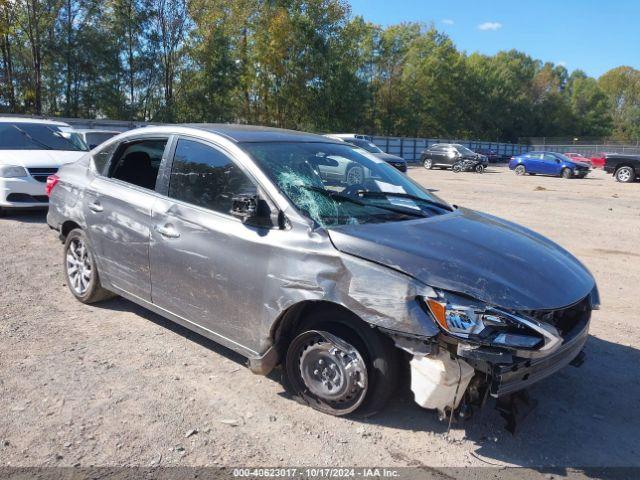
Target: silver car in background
{"points": [[236, 233]]}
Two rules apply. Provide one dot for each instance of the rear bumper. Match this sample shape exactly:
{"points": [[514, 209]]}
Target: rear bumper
{"points": [[510, 378], [24, 192]]}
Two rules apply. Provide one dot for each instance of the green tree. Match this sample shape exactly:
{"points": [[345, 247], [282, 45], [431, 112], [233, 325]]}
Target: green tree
{"points": [[622, 87]]}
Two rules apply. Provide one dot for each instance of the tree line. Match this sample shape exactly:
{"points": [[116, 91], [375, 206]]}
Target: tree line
{"points": [[302, 64]]}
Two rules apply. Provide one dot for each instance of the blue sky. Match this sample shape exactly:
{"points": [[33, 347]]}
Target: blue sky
{"points": [[592, 35]]}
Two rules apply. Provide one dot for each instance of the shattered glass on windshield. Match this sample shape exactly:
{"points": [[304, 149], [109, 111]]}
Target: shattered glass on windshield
{"points": [[337, 184]]}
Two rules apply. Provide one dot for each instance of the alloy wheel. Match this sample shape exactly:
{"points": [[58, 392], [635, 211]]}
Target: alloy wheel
{"points": [[79, 267], [355, 176], [623, 175]]}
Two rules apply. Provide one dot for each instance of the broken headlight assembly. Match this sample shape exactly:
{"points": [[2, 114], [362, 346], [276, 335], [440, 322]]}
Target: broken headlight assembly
{"points": [[476, 322]]}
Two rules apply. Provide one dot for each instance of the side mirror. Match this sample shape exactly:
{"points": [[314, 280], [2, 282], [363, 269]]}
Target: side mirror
{"points": [[251, 209]]}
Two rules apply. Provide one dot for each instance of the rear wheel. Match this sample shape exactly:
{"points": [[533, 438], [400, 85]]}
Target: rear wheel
{"points": [[338, 366], [81, 270], [520, 170], [566, 173], [625, 175]]}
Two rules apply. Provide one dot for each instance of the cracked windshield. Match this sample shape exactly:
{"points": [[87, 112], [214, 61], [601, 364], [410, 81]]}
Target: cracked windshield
{"points": [[342, 185]]}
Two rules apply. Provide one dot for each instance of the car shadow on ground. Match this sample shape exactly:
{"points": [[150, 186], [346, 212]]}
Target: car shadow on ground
{"points": [[585, 417], [25, 216]]}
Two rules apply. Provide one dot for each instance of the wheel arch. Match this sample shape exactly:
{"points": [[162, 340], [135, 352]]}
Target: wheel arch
{"points": [[289, 321], [66, 227], [626, 164]]}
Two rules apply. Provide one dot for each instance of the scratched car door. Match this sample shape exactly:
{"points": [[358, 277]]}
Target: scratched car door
{"points": [[204, 261]]}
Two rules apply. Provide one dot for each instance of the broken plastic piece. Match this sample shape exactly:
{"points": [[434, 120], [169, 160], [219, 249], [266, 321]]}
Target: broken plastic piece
{"points": [[438, 381]]}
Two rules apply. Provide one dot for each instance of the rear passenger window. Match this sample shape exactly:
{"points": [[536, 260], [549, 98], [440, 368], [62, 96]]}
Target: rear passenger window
{"points": [[206, 177], [138, 162]]}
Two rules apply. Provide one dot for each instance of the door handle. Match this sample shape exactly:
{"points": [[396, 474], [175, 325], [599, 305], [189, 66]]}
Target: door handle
{"points": [[96, 207], [167, 231]]}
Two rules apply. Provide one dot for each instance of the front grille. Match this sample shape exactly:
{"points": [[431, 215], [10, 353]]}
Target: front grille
{"points": [[564, 319], [26, 198], [41, 173]]}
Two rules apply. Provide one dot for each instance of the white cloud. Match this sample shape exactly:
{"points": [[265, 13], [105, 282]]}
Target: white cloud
{"points": [[562, 63], [448, 21], [490, 26]]}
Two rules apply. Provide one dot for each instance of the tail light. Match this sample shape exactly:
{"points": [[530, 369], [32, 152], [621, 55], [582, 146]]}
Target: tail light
{"points": [[52, 181]]}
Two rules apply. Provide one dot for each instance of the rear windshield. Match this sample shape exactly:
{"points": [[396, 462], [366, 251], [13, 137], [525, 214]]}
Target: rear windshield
{"points": [[368, 146], [39, 136], [96, 138]]}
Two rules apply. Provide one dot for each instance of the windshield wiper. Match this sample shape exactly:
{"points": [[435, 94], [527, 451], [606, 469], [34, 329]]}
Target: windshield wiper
{"points": [[346, 198], [371, 193], [333, 195], [29, 137]]}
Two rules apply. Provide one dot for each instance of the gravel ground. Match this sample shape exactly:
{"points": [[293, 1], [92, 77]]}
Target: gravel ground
{"points": [[114, 384]]}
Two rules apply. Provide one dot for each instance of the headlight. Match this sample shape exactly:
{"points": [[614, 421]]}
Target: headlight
{"points": [[473, 320], [456, 318], [12, 171]]}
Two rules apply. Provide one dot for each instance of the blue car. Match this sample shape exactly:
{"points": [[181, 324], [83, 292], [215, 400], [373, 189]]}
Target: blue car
{"points": [[548, 163]]}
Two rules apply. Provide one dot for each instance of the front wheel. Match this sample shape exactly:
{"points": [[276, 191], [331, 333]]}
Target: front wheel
{"points": [[479, 168], [566, 173], [457, 168], [520, 170], [427, 163], [339, 367], [81, 270], [625, 175], [354, 175]]}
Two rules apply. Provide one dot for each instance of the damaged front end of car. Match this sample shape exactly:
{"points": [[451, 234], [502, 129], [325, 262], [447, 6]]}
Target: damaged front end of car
{"points": [[485, 351]]}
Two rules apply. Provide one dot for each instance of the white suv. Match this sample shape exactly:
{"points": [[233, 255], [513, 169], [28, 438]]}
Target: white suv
{"points": [[30, 151]]}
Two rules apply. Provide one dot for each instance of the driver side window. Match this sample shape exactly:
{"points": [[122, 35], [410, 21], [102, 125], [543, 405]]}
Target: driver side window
{"points": [[206, 177]]}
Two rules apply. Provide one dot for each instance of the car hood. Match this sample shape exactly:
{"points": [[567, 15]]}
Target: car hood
{"points": [[580, 164], [38, 158], [387, 157], [484, 257]]}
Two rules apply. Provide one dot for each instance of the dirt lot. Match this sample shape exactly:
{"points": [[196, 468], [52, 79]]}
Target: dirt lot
{"points": [[117, 385]]}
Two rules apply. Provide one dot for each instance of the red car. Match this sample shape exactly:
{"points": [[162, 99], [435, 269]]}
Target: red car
{"points": [[577, 157], [598, 161]]}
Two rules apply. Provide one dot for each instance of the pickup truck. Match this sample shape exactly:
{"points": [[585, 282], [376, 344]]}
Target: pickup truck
{"points": [[625, 168]]}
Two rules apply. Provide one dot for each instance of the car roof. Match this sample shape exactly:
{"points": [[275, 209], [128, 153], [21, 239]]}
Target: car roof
{"points": [[251, 133], [32, 120]]}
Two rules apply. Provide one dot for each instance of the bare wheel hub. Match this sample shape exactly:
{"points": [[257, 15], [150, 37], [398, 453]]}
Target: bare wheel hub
{"points": [[332, 374]]}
